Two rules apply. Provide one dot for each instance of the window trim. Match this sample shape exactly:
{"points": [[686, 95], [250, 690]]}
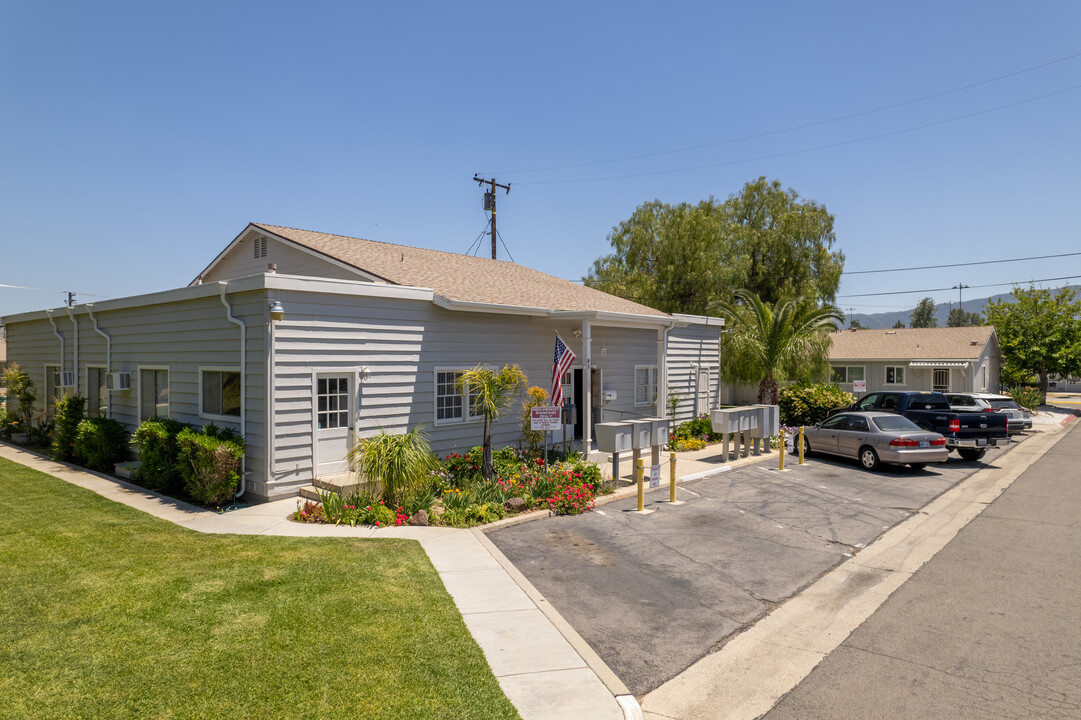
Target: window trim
{"points": [[652, 384], [218, 369], [139, 376], [847, 380], [467, 417], [886, 375]]}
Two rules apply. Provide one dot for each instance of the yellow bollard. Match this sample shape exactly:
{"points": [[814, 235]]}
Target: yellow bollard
{"points": [[641, 485], [800, 444], [672, 478], [783, 451]]}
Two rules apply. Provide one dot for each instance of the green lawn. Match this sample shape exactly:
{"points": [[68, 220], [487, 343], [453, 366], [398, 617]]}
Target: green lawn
{"points": [[109, 613]]}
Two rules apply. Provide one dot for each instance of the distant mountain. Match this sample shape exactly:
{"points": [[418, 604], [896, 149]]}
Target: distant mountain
{"points": [[942, 312]]}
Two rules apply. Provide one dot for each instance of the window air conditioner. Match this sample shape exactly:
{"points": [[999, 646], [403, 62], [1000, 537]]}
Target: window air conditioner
{"points": [[118, 381], [66, 378]]}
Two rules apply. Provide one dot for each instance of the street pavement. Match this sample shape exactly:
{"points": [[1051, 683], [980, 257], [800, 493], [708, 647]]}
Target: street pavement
{"points": [[988, 628]]}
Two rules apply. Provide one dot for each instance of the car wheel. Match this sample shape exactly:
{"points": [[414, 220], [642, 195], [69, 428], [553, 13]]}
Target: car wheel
{"points": [[917, 466], [971, 454], [869, 458]]}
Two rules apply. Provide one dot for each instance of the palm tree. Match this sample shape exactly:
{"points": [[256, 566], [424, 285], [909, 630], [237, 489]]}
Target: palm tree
{"points": [[764, 344], [398, 464], [489, 393]]}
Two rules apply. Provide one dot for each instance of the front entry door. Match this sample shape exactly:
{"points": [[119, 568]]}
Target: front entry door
{"points": [[701, 403], [940, 381], [333, 422]]}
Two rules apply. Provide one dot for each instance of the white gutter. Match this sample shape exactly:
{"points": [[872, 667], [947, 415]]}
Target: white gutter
{"points": [[108, 354], [75, 354], [56, 332], [223, 286], [268, 424]]}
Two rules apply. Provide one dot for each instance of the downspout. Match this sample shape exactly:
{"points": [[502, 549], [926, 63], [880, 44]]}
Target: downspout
{"points": [[108, 355], [223, 286], [662, 370], [269, 424], [75, 354], [56, 332]]}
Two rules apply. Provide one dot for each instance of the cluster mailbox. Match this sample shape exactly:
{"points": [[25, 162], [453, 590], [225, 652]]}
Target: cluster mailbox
{"points": [[633, 435], [613, 437], [746, 423]]}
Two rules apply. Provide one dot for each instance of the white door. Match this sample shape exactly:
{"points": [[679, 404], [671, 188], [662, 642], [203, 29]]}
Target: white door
{"points": [[333, 422], [940, 380], [701, 405]]}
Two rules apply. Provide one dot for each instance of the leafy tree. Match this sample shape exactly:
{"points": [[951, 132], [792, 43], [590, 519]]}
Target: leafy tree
{"points": [[899, 325], [1039, 332], [531, 440], [924, 315], [789, 340], [21, 388], [963, 318], [489, 392], [684, 258], [855, 324]]}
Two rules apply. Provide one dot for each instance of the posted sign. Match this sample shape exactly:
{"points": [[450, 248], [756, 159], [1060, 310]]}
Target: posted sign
{"points": [[859, 386], [546, 418]]}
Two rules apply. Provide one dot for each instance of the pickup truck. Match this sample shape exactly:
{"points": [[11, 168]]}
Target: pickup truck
{"points": [[969, 433]]}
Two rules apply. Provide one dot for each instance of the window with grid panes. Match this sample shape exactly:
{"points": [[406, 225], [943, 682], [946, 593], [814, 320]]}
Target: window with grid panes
{"points": [[332, 398]]}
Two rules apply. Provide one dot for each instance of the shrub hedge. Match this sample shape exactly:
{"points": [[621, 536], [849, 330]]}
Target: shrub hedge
{"points": [[810, 404]]}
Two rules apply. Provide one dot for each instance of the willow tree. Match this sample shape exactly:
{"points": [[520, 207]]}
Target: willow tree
{"points": [[488, 392], [766, 344]]}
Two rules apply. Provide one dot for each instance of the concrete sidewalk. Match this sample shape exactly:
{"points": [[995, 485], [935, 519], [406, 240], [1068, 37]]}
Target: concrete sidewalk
{"points": [[539, 660]]}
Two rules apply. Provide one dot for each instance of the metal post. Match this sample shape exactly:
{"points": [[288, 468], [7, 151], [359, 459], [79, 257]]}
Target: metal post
{"points": [[615, 468], [800, 439], [641, 485], [781, 454], [672, 478]]}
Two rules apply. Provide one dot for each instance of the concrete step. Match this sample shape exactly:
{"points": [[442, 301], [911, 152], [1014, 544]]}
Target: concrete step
{"points": [[310, 492]]}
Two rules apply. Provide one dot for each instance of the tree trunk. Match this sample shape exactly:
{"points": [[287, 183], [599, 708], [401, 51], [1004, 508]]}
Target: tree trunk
{"points": [[767, 391], [1043, 380], [487, 467]]}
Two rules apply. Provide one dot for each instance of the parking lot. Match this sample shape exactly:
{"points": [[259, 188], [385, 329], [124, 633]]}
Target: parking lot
{"points": [[654, 593]]}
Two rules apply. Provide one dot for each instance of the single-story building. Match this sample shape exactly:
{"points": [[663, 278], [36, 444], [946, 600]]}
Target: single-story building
{"points": [[300, 339], [964, 359]]}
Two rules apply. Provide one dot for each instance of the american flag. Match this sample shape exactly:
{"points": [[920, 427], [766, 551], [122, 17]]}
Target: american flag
{"points": [[563, 359]]}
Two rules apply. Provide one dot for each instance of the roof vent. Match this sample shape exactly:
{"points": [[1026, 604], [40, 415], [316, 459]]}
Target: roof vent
{"points": [[259, 248], [891, 332], [974, 342]]}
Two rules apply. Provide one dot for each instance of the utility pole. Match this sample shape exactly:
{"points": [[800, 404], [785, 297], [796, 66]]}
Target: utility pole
{"points": [[489, 202], [959, 287], [71, 299]]}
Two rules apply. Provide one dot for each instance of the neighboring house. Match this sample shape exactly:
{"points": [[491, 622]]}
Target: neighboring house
{"points": [[966, 359], [1054, 384], [299, 339]]}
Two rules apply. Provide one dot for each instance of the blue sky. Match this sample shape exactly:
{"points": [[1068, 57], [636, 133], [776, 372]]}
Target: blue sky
{"points": [[138, 138]]}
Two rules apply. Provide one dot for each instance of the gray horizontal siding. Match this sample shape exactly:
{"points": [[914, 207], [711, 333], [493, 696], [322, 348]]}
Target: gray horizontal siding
{"points": [[691, 348], [241, 262]]}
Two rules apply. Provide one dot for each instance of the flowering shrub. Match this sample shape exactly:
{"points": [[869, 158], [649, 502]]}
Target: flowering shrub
{"points": [[700, 427], [686, 444], [809, 404], [309, 512], [572, 498]]}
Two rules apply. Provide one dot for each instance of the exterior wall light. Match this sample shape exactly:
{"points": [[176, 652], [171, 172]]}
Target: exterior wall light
{"points": [[277, 312]]}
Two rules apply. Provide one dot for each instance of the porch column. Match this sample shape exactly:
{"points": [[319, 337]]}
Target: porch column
{"points": [[587, 391]]}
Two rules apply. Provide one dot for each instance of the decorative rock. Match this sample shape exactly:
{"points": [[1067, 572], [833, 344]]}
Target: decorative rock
{"points": [[420, 518], [514, 505]]}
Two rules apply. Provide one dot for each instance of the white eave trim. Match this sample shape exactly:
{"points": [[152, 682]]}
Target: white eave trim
{"points": [[470, 306], [699, 320], [940, 363]]}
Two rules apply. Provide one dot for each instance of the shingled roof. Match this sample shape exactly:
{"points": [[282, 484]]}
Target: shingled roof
{"points": [[963, 343], [461, 278]]}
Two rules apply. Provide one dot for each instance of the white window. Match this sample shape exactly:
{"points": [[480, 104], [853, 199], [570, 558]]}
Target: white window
{"points": [[97, 397], [219, 393], [153, 392], [848, 373], [895, 375], [449, 403], [645, 385], [332, 398]]}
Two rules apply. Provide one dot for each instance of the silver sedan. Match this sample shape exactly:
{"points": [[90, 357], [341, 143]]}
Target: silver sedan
{"points": [[874, 438]]}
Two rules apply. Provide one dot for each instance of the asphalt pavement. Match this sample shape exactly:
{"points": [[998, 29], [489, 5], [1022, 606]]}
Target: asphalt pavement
{"points": [[990, 627], [652, 594]]}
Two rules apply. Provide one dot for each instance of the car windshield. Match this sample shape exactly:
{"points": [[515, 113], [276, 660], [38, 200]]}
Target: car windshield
{"points": [[1004, 405], [895, 423]]}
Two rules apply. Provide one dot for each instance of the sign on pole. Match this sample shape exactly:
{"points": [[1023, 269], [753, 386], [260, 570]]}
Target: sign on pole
{"points": [[545, 418], [859, 386], [655, 476]]}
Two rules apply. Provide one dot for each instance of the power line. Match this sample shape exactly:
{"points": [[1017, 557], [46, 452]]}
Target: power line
{"points": [[942, 289], [965, 264], [801, 151], [793, 128]]}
